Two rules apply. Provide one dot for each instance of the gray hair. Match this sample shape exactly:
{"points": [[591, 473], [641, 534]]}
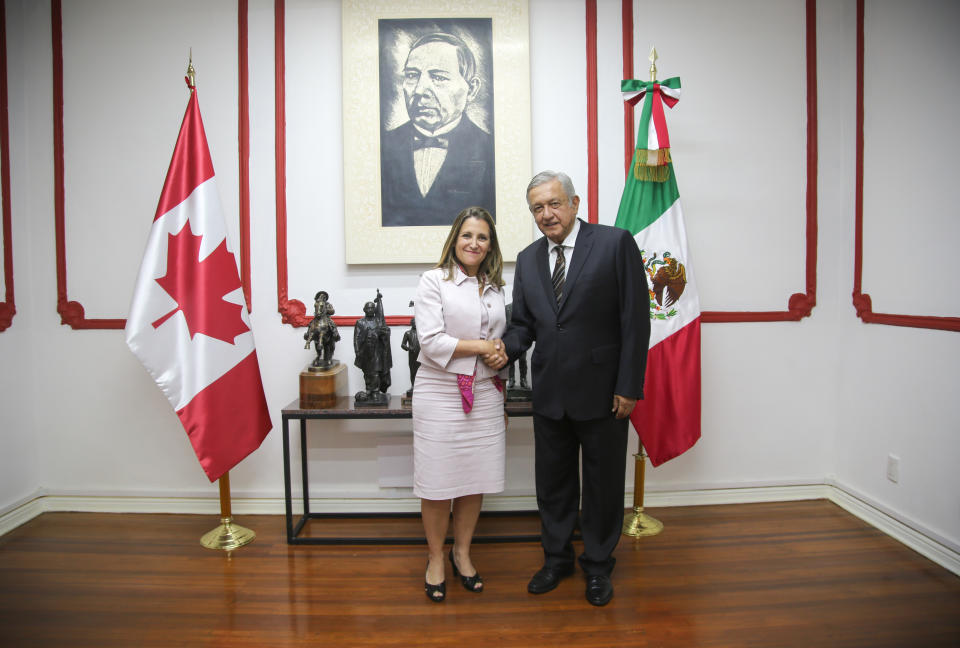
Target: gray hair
{"points": [[549, 176]]}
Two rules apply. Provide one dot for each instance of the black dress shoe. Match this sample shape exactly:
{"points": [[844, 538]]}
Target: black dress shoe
{"points": [[470, 583], [436, 593], [548, 578], [599, 590]]}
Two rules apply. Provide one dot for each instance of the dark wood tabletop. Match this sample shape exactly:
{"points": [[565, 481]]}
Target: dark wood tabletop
{"points": [[347, 409]]}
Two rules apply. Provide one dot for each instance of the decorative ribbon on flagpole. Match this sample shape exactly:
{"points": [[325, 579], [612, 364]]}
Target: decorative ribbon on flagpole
{"points": [[652, 154]]}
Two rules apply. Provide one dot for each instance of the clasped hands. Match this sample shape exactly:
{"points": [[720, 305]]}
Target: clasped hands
{"points": [[495, 355]]}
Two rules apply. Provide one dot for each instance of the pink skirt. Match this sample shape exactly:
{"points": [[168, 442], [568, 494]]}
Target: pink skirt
{"points": [[454, 453]]}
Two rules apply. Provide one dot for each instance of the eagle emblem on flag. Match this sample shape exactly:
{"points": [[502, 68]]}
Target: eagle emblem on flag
{"points": [[667, 279]]}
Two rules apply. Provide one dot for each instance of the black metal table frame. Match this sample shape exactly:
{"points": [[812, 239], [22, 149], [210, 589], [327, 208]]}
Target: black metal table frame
{"points": [[345, 410]]}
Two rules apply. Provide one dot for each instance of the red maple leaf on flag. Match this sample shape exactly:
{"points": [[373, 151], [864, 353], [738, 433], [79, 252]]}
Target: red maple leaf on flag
{"points": [[199, 286]]}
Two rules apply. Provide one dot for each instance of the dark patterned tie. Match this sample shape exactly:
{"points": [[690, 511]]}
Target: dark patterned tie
{"points": [[559, 274]]}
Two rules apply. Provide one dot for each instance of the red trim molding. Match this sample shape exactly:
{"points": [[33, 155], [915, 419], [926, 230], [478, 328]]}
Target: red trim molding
{"points": [[72, 312], [799, 305], [861, 301], [626, 23], [593, 184], [243, 136], [292, 311], [7, 308]]}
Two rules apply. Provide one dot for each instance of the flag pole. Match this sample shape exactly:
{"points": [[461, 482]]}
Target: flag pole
{"points": [[227, 536], [638, 524]]}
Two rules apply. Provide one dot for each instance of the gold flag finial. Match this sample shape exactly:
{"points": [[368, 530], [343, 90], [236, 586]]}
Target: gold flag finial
{"points": [[191, 73], [653, 63]]}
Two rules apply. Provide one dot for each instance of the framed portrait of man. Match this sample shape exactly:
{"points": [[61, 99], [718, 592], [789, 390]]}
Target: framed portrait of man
{"points": [[448, 127]]}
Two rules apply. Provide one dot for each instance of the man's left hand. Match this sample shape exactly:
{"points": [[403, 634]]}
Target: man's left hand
{"points": [[622, 406]]}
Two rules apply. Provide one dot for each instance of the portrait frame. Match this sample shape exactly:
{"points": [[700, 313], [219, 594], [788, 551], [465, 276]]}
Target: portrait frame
{"points": [[367, 240]]}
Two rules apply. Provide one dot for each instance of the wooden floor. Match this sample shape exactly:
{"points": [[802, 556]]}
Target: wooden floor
{"points": [[782, 574]]}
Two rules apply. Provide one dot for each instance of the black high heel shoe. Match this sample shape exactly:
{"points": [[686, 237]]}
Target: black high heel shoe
{"points": [[470, 583], [433, 590]]}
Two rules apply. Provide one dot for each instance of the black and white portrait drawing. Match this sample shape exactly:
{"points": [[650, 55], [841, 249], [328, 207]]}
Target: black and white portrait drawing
{"points": [[436, 119]]}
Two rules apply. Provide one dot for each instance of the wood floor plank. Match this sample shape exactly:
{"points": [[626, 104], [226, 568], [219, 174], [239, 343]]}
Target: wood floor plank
{"points": [[779, 574]]}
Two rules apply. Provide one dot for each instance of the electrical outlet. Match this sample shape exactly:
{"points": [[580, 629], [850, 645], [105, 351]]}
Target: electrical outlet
{"points": [[893, 468]]}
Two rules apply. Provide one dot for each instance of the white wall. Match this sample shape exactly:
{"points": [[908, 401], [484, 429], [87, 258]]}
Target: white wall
{"points": [[20, 478], [821, 400], [897, 387]]}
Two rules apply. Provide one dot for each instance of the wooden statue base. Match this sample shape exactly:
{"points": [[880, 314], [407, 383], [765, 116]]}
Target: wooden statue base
{"points": [[319, 389]]}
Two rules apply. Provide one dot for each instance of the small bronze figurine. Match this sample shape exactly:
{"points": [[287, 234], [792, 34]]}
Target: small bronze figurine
{"points": [[514, 393], [323, 333], [411, 344], [371, 346]]}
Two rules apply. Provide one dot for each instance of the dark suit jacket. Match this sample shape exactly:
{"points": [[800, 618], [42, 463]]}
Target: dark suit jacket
{"points": [[465, 179], [594, 344]]}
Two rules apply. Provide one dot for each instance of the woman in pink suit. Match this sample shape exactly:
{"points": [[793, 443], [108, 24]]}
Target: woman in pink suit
{"points": [[458, 417]]}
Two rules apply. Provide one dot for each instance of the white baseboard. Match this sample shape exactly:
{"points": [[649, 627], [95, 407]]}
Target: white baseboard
{"points": [[923, 541], [21, 515], [914, 536], [747, 495]]}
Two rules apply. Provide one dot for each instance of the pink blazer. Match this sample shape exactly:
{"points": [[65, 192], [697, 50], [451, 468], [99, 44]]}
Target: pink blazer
{"points": [[449, 311]]}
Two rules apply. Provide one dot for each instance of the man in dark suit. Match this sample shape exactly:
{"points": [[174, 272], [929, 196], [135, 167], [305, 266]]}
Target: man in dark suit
{"points": [[580, 293], [439, 162]]}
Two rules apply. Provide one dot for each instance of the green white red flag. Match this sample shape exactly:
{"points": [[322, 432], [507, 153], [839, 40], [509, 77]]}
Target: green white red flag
{"points": [[668, 418], [188, 321]]}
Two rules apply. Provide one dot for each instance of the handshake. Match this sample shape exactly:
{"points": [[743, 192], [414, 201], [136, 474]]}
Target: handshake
{"points": [[494, 354]]}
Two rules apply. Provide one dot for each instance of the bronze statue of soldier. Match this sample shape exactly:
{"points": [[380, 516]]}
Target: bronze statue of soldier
{"points": [[371, 346], [322, 331]]}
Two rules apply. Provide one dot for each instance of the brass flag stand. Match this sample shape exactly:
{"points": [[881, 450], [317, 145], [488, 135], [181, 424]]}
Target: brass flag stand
{"points": [[638, 524], [228, 536]]}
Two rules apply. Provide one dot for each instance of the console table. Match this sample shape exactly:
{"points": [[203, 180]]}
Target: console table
{"points": [[345, 409]]}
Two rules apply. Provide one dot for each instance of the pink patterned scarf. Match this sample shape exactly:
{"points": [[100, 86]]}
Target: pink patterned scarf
{"points": [[465, 383]]}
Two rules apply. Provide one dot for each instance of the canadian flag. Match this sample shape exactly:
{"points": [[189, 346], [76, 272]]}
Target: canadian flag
{"points": [[188, 323]]}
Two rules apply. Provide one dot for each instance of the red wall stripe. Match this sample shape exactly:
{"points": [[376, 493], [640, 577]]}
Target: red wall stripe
{"points": [[799, 305], [292, 311], [861, 301], [593, 183], [243, 136], [72, 312], [7, 307], [626, 22]]}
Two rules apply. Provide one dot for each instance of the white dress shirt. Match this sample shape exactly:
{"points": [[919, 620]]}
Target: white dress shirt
{"points": [[427, 161], [568, 247]]}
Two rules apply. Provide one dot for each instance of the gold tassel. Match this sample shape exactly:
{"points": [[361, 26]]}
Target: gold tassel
{"points": [[651, 165]]}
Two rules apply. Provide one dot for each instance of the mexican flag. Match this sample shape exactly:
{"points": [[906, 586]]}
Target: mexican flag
{"points": [[188, 322], [668, 419]]}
